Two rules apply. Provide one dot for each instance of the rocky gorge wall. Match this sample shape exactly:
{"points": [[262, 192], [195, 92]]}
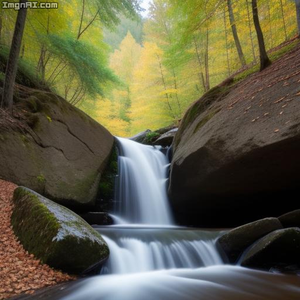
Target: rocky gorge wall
{"points": [[236, 153]]}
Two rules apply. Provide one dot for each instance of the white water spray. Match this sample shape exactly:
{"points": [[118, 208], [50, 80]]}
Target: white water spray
{"points": [[141, 186]]}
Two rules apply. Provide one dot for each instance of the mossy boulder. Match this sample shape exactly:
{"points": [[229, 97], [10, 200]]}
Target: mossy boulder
{"points": [[237, 240], [56, 150], [56, 235]]}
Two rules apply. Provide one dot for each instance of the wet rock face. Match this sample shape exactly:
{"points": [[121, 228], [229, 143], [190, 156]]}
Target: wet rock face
{"points": [[60, 151], [278, 248], [236, 241], [56, 235]]}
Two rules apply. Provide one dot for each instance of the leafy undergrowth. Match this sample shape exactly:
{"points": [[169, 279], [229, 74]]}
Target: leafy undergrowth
{"points": [[20, 272]]}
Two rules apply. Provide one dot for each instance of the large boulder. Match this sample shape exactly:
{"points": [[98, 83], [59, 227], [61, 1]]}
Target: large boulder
{"points": [[56, 235], [279, 248], [237, 240], [236, 153], [55, 149]]}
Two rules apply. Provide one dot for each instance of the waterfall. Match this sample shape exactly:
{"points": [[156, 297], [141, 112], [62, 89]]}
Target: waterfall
{"points": [[144, 250], [149, 259], [141, 185]]}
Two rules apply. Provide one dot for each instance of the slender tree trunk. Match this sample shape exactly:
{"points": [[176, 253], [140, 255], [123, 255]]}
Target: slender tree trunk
{"points": [[81, 19], [41, 67], [43, 56], [1, 24], [235, 33], [264, 59], [226, 43], [165, 88], [298, 15], [201, 76], [12, 63], [176, 89], [23, 51], [250, 31], [81, 30], [270, 22], [207, 79], [283, 20]]}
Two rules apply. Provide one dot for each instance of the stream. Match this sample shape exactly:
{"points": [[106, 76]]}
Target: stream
{"points": [[152, 258]]}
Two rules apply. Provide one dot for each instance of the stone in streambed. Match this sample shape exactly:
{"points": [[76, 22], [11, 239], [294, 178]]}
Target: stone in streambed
{"points": [[56, 235], [279, 248], [236, 241]]}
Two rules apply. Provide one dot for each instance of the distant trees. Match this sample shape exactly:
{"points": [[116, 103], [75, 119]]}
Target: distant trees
{"points": [[64, 48], [151, 67], [264, 59], [12, 63]]}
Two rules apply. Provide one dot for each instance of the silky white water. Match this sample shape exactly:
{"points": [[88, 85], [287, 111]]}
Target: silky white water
{"points": [[149, 249], [141, 185], [158, 261]]}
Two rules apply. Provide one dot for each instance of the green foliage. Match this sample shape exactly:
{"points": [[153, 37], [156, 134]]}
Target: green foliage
{"points": [[107, 182], [82, 59], [150, 136], [41, 179], [114, 37], [110, 10], [26, 74]]}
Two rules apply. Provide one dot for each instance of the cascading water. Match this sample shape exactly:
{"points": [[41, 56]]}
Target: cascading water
{"points": [[150, 249], [165, 262], [141, 185]]}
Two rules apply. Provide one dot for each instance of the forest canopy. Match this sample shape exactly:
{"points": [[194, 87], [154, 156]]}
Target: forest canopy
{"points": [[132, 71]]}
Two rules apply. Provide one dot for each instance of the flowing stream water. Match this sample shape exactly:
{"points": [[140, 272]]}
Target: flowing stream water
{"points": [[151, 258]]}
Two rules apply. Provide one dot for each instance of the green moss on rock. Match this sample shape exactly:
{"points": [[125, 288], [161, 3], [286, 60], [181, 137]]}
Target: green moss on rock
{"points": [[107, 182], [206, 119], [56, 235], [215, 94]]}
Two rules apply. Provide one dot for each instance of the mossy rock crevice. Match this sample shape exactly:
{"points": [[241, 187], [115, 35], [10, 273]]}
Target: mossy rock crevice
{"points": [[56, 235]]}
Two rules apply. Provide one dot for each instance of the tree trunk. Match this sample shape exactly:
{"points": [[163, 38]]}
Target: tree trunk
{"points": [[283, 20], [226, 43], [270, 22], [235, 34], [250, 31], [176, 89], [264, 59], [200, 74], [12, 63], [298, 15], [207, 79], [1, 24], [165, 88]]}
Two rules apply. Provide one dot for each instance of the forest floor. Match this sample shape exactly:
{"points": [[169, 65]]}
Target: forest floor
{"points": [[20, 272]]}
